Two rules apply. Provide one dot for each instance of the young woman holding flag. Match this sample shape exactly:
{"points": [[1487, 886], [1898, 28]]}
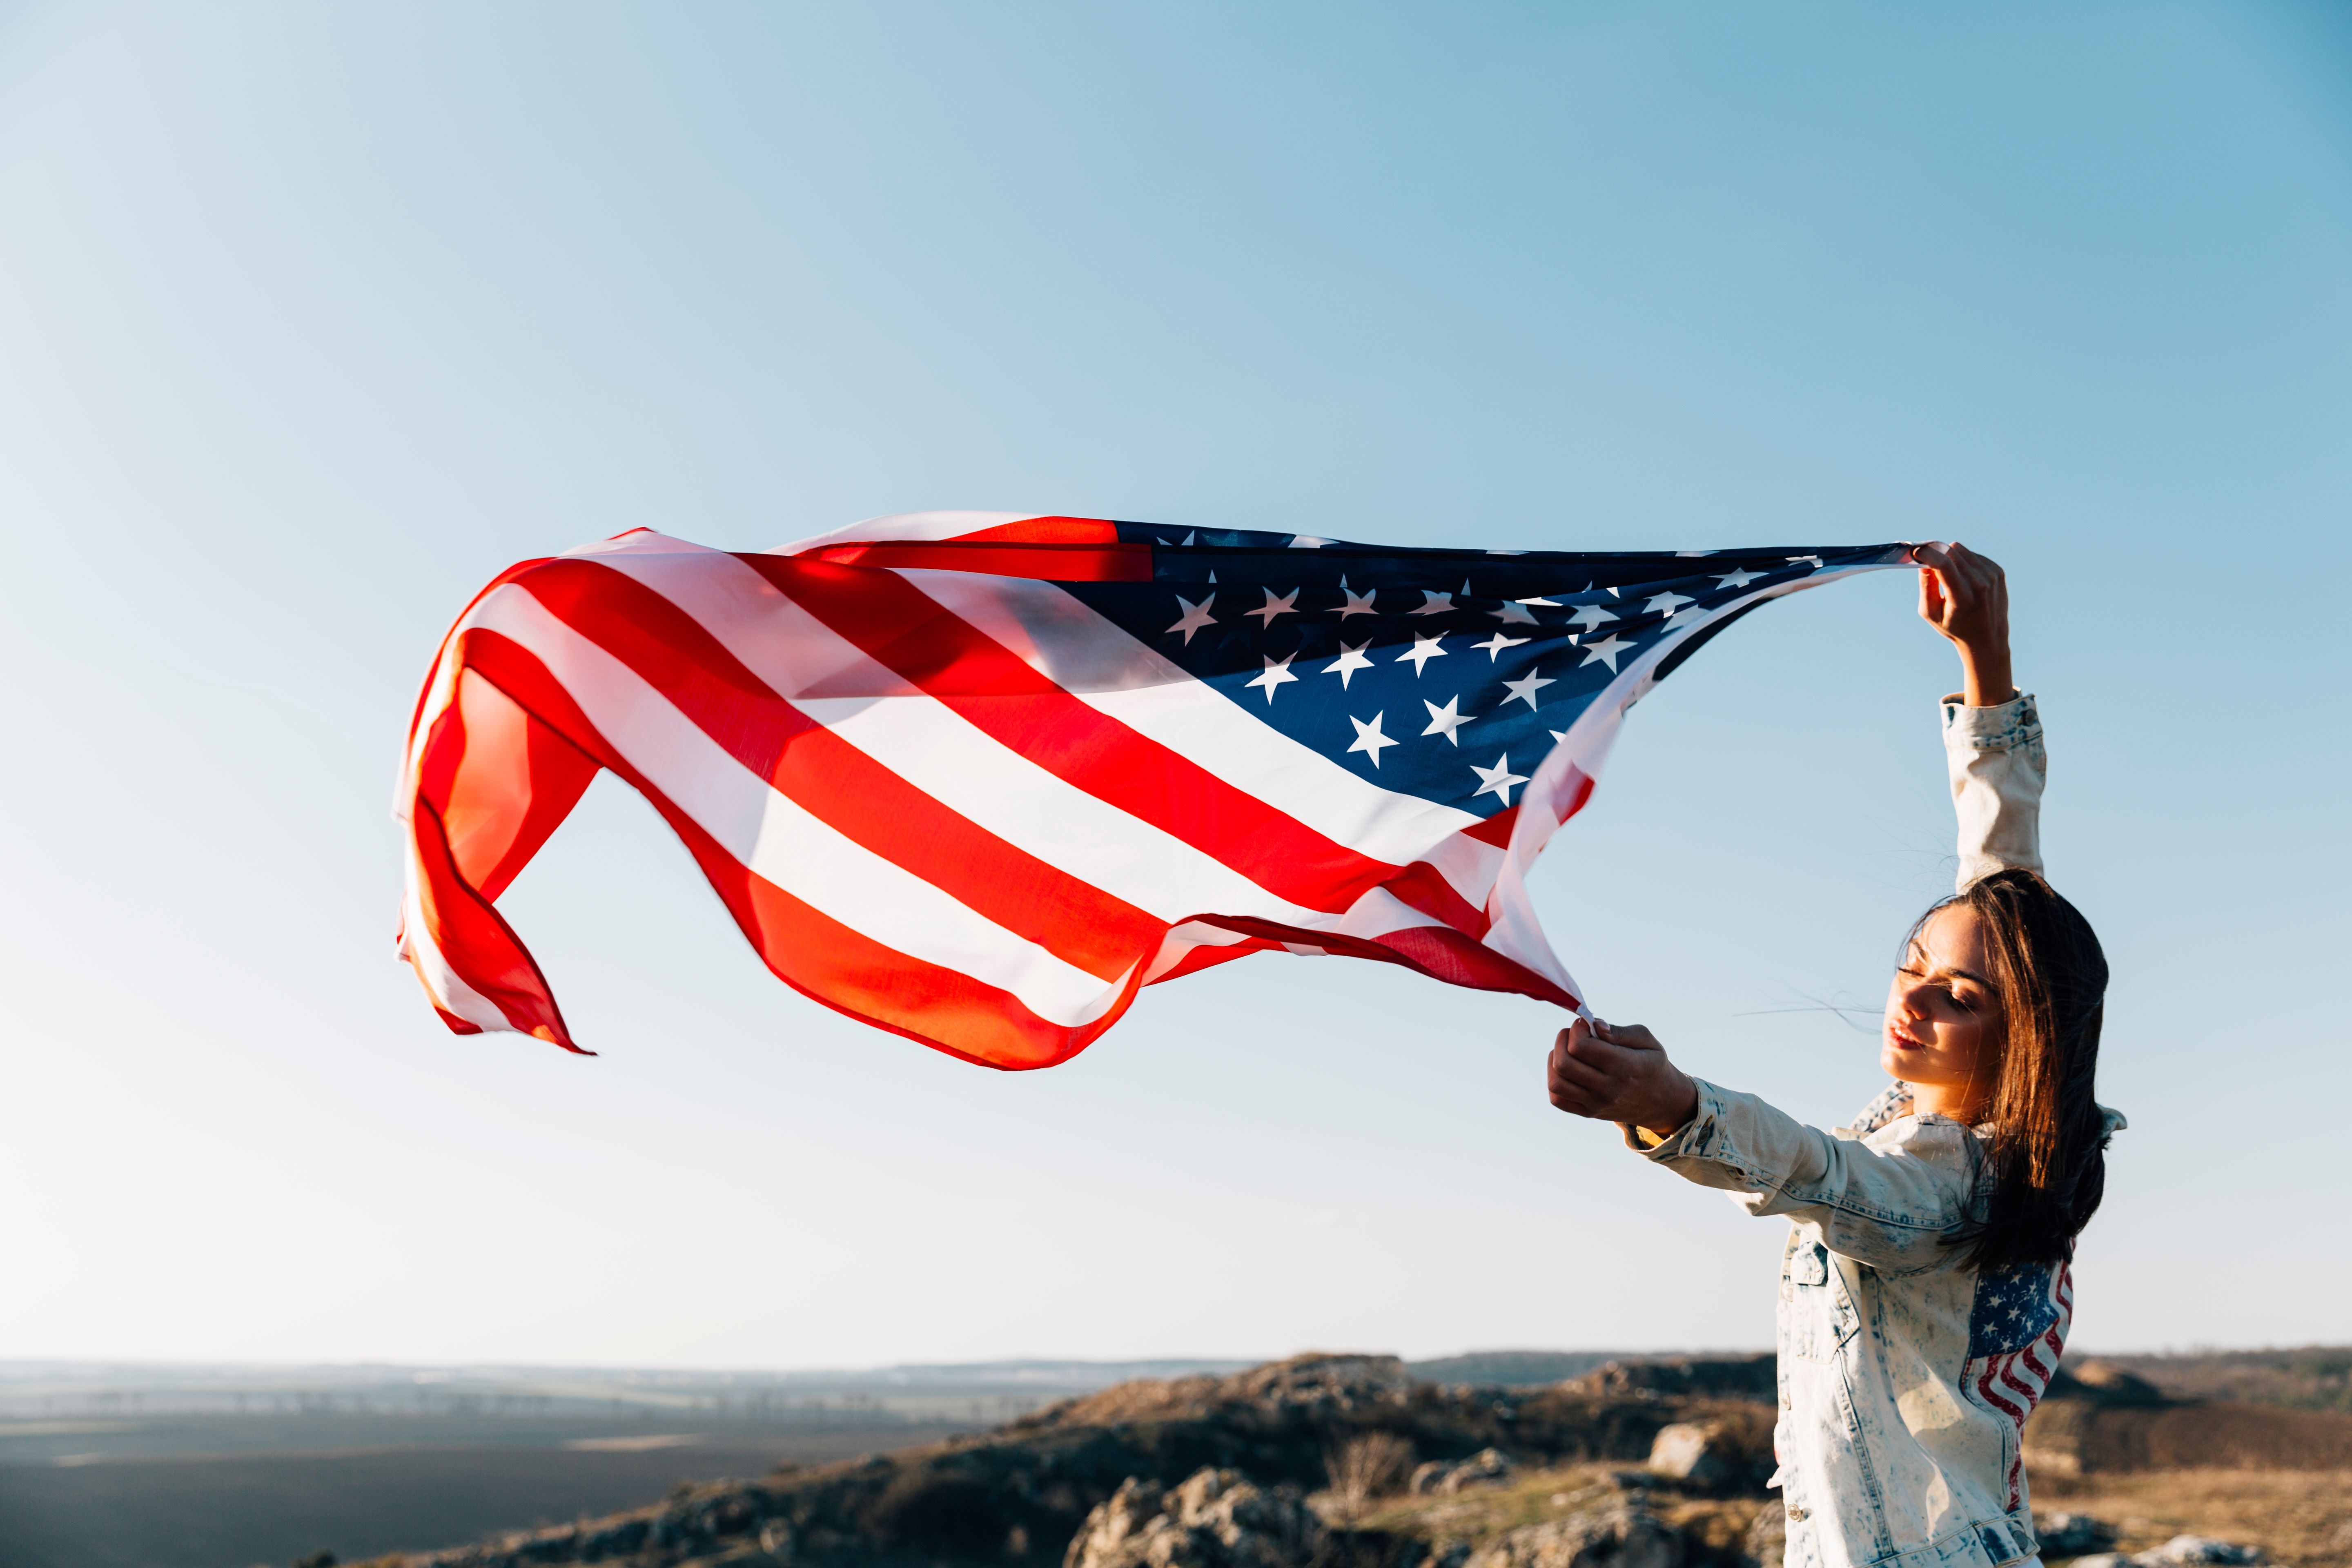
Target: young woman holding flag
{"points": [[1925, 1292]]}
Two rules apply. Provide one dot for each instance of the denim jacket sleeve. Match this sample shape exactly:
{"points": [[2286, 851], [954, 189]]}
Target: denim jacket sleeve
{"points": [[1888, 1199], [1997, 764]]}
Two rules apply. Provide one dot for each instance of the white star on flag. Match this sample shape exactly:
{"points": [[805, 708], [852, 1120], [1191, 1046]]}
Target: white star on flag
{"points": [[1589, 616], [1607, 649], [1424, 649], [1814, 561], [1514, 612], [1665, 604], [1274, 606], [1357, 604], [1445, 720], [1351, 660], [1368, 739], [1524, 690], [1495, 644], [1498, 780], [1434, 604], [1274, 675], [1737, 577], [1195, 616]]}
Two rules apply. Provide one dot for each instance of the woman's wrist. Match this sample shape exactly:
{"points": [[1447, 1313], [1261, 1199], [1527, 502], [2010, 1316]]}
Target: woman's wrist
{"points": [[1984, 679], [1682, 1105]]}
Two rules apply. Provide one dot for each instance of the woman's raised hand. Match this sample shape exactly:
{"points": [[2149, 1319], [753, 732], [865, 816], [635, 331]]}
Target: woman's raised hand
{"points": [[1965, 598], [1620, 1074]]}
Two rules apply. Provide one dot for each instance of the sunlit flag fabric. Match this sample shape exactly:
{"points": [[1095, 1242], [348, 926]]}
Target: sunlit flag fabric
{"points": [[975, 778]]}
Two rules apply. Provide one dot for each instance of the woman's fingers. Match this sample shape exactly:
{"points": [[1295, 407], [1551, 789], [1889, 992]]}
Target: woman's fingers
{"points": [[1568, 1067], [1943, 586], [1931, 596]]}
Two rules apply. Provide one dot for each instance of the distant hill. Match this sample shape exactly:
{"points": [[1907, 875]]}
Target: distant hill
{"points": [[1513, 1369], [2313, 1377]]}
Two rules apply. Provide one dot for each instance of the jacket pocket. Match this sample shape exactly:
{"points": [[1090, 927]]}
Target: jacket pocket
{"points": [[1816, 1319]]}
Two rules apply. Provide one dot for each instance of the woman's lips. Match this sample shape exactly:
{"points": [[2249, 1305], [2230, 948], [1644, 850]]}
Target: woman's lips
{"points": [[1903, 1042]]}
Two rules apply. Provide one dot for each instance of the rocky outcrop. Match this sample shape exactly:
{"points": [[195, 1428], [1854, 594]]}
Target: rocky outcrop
{"points": [[1214, 1519]]}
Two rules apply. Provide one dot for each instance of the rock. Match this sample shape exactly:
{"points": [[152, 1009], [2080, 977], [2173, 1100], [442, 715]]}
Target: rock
{"points": [[1768, 1538], [1699, 1452], [1443, 1477], [1215, 1518], [2073, 1534], [1627, 1535]]}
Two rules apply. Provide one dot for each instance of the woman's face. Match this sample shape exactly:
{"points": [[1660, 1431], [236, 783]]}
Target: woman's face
{"points": [[1943, 1029]]}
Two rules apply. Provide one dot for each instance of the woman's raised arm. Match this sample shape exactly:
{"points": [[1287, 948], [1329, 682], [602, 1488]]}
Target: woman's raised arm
{"points": [[1992, 733]]}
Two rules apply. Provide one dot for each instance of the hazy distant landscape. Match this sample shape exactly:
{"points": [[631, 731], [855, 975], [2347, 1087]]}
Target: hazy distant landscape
{"points": [[220, 1467], [108, 1466], [128, 1466]]}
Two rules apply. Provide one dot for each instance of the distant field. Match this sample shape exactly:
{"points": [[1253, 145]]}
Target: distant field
{"points": [[241, 1509]]}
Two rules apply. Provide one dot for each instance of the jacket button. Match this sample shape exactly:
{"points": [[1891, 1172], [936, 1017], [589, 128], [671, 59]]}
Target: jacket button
{"points": [[1796, 1513]]}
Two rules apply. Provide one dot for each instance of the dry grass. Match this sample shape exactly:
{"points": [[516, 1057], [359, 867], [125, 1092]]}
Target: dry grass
{"points": [[2301, 1518], [1481, 1515], [1367, 1465]]}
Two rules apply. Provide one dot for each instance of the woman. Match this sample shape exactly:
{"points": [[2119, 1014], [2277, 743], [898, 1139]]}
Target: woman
{"points": [[1926, 1293]]}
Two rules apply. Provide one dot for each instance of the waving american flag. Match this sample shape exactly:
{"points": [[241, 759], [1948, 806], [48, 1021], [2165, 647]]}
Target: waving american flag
{"points": [[975, 778]]}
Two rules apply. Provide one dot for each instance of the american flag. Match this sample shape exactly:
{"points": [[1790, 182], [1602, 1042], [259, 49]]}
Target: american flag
{"points": [[975, 778], [2016, 1331]]}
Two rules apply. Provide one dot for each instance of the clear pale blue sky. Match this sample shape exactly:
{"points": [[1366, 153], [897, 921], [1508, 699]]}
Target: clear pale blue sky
{"points": [[313, 318]]}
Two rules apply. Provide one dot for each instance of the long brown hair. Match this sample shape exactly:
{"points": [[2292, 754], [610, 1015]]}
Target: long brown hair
{"points": [[2047, 1156]]}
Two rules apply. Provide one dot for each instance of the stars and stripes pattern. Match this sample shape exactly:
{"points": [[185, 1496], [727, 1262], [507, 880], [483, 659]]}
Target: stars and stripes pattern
{"points": [[977, 778], [2016, 1331]]}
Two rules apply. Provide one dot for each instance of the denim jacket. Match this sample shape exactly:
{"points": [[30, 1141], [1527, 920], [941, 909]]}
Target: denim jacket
{"points": [[1906, 1375]]}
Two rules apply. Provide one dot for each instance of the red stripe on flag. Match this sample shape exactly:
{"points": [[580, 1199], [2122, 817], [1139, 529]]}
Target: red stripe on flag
{"points": [[1439, 951], [1984, 1388], [1050, 548], [476, 942]]}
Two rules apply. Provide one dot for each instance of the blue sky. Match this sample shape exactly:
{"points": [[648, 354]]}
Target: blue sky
{"points": [[312, 318]]}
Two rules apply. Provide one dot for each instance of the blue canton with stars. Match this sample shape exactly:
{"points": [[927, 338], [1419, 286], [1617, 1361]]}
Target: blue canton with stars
{"points": [[1441, 673], [2014, 1306]]}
